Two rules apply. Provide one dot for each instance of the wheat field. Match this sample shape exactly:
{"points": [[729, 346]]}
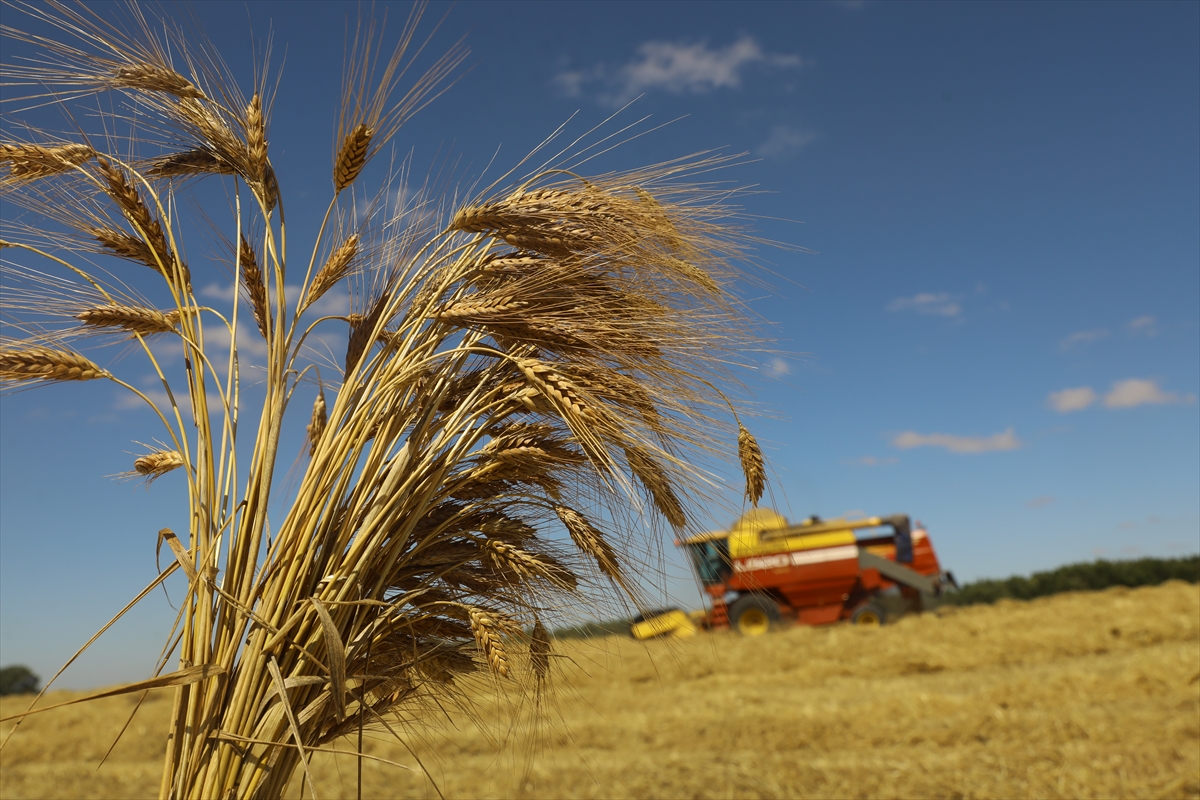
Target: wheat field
{"points": [[1077, 695]]}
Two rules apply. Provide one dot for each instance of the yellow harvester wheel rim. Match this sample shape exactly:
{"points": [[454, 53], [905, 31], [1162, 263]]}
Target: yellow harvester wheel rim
{"points": [[753, 622], [869, 619]]}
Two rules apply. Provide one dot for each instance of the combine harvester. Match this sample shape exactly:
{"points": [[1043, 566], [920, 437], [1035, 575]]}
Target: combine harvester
{"points": [[764, 571]]}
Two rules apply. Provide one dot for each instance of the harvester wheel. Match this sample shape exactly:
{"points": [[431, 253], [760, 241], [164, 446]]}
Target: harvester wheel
{"points": [[754, 615], [870, 615]]}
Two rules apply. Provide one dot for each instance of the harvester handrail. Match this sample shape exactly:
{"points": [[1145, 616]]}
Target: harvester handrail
{"points": [[807, 529], [827, 526]]}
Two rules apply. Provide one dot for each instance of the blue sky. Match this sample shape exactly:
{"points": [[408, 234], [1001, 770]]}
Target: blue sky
{"points": [[998, 331]]}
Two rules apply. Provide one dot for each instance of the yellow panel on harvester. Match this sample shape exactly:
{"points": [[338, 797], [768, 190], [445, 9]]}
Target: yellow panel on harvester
{"points": [[745, 534], [675, 622], [788, 540]]}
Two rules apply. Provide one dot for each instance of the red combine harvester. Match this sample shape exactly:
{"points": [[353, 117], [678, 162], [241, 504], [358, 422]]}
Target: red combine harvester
{"points": [[816, 572]]}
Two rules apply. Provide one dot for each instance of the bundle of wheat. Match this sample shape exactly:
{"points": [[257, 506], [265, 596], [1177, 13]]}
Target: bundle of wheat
{"points": [[517, 387]]}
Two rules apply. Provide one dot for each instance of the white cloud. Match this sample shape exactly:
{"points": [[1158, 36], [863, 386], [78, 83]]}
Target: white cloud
{"points": [[1040, 502], [940, 304], [1143, 326], [251, 346], [675, 67], [777, 368], [128, 401], [571, 81], [1137, 392], [402, 204], [958, 444], [335, 302], [218, 292], [1071, 399], [785, 140], [1082, 337], [874, 461]]}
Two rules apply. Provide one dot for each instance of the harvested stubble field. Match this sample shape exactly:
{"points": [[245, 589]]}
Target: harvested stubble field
{"points": [[1076, 695]]}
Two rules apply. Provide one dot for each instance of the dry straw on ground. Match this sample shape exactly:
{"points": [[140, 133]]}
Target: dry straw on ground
{"points": [[524, 388], [1089, 695]]}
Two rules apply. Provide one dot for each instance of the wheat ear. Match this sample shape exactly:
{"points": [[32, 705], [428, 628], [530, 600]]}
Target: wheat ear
{"points": [[361, 327], [351, 157], [154, 78], [256, 136], [44, 363], [539, 651], [752, 464], [29, 161], [487, 636], [130, 201], [528, 566], [317, 426], [144, 321], [565, 393], [590, 540], [472, 310], [333, 270], [261, 175], [654, 479], [187, 163], [252, 281], [155, 465]]}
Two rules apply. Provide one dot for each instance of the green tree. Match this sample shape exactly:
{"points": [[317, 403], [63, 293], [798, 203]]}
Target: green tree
{"points": [[17, 679]]}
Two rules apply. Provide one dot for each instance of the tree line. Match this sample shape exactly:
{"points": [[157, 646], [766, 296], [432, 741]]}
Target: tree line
{"points": [[1079, 578]]}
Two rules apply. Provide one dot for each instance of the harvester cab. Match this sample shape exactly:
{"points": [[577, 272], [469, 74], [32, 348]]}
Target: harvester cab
{"points": [[763, 570]]}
